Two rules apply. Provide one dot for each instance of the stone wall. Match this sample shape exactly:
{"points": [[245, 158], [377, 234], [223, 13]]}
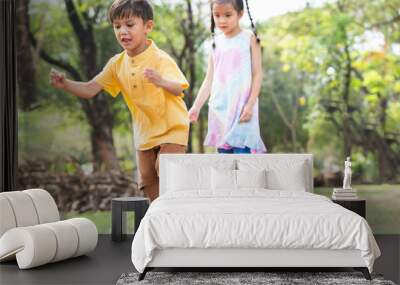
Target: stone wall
{"points": [[79, 192]]}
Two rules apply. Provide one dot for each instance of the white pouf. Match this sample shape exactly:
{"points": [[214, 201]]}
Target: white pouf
{"points": [[31, 232]]}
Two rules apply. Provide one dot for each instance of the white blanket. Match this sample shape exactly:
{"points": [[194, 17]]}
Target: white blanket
{"points": [[253, 218]]}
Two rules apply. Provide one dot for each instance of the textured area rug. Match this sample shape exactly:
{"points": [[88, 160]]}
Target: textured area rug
{"points": [[244, 278]]}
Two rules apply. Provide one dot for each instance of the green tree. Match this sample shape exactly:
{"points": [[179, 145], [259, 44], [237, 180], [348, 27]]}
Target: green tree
{"points": [[86, 19], [180, 30], [345, 84]]}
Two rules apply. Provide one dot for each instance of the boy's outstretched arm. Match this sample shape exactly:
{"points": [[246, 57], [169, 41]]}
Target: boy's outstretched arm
{"points": [[204, 92], [84, 90]]}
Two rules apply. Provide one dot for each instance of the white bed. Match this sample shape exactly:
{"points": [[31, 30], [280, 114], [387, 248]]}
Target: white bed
{"points": [[202, 220]]}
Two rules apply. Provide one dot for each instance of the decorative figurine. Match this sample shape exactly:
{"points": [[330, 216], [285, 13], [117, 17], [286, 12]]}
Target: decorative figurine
{"points": [[347, 174]]}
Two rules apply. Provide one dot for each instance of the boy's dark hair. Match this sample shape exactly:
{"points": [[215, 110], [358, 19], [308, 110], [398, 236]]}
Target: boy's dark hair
{"points": [[239, 7], [127, 8]]}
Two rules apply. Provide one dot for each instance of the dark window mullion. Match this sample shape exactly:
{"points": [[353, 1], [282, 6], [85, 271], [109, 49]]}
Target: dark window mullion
{"points": [[8, 104]]}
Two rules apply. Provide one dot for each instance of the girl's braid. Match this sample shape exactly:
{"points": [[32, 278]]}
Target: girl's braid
{"points": [[252, 23], [213, 30]]}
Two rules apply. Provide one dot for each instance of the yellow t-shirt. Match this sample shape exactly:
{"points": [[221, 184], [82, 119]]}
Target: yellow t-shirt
{"points": [[158, 116]]}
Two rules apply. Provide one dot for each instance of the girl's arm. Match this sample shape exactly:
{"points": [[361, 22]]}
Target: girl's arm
{"points": [[85, 90], [204, 92], [257, 76]]}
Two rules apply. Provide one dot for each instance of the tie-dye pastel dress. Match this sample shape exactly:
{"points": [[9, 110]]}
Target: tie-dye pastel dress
{"points": [[230, 91]]}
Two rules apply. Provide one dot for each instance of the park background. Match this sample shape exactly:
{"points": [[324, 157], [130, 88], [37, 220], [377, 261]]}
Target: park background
{"points": [[331, 88]]}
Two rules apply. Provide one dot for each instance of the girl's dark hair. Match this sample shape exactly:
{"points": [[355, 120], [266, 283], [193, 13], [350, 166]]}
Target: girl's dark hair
{"points": [[126, 8], [239, 7]]}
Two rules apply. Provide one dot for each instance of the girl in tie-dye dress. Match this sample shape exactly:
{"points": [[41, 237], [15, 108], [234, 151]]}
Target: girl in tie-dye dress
{"points": [[233, 80]]}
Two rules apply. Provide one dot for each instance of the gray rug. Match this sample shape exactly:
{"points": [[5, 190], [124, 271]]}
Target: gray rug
{"points": [[243, 278]]}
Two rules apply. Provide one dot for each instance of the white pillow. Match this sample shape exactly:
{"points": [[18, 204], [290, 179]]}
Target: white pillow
{"points": [[223, 179], [193, 176], [281, 175], [293, 178], [183, 178], [251, 178]]}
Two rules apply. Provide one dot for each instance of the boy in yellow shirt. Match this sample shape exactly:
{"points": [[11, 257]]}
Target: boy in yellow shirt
{"points": [[150, 82]]}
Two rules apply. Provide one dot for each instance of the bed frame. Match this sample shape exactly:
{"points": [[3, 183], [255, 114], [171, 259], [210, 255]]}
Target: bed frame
{"points": [[250, 258]]}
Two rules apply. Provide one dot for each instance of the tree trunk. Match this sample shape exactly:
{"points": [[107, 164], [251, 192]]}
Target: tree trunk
{"points": [[388, 166], [293, 135], [290, 131], [388, 160], [347, 140], [97, 110], [193, 38], [200, 134], [191, 61], [25, 60]]}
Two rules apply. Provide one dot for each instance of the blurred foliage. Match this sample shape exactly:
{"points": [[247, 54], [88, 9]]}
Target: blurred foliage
{"points": [[326, 67]]}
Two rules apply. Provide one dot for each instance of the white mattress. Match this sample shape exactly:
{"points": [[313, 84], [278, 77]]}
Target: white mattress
{"points": [[251, 219]]}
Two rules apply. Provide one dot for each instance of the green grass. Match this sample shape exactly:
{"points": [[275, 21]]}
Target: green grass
{"points": [[383, 209], [383, 206], [102, 220]]}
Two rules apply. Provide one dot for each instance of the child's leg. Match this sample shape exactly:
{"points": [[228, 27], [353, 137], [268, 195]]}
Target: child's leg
{"points": [[148, 177], [169, 148], [241, 150]]}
